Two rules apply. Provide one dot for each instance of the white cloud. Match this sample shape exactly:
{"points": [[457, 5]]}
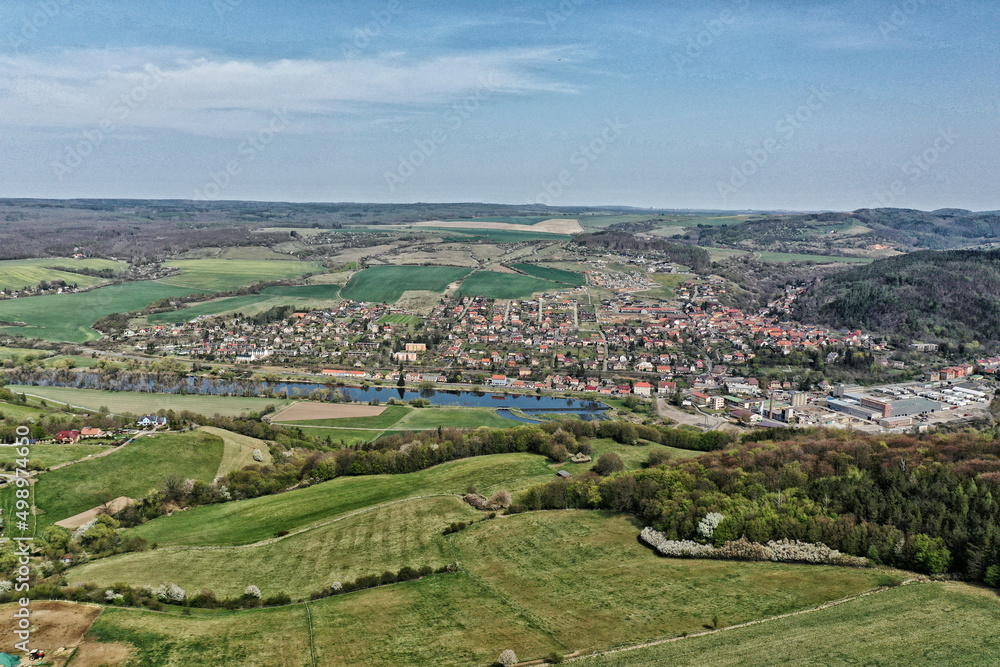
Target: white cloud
{"points": [[215, 96]]}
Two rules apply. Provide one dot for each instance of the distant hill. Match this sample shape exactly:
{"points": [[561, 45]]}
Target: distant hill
{"points": [[937, 296], [695, 258], [851, 233]]}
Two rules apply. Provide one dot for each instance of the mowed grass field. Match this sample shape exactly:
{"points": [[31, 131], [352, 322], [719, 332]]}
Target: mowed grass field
{"points": [[584, 577], [67, 317], [145, 403], [385, 284], [552, 274], [385, 537], [248, 521], [496, 285], [917, 624], [27, 273], [216, 275], [132, 471], [564, 581]]}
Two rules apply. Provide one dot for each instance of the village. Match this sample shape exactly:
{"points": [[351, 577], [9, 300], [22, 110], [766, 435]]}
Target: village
{"points": [[693, 350]]}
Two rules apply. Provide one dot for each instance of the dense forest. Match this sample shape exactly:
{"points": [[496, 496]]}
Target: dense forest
{"points": [[931, 504], [950, 296], [687, 255]]}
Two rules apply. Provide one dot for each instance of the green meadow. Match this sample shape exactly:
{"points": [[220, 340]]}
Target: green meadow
{"points": [[18, 274], [67, 317], [385, 284], [496, 285]]}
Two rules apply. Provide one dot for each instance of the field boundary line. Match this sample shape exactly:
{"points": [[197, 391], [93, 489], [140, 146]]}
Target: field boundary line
{"points": [[758, 621], [312, 641]]}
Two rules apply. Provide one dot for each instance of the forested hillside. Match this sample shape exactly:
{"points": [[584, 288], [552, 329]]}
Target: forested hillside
{"points": [[929, 504], [935, 296]]}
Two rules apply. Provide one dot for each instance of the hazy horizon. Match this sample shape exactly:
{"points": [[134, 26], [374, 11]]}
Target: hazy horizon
{"points": [[724, 105]]}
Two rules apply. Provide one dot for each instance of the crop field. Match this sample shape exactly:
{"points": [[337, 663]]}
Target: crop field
{"points": [[217, 275], [385, 284], [325, 292], [389, 416], [144, 403], [248, 521], [585, 577], [427, 418], [494, 285], [51, 455], [67, 317], [382, 538], [18, 274], [554, 275], [497, 235], [917, 624], [132, 471]]}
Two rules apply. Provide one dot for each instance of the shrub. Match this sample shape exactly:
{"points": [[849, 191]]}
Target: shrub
{"points": [[609, 464], [707, 526], [657, 457], [992, 576]]}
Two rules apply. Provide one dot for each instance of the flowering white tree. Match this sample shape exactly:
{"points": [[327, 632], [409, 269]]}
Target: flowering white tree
{"points": [[6, 586], [252, 591], [337, 587], [507, 658], [258, 455], [170, 593], [707, 526]]}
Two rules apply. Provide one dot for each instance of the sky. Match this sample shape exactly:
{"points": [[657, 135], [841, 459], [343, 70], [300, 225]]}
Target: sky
{"points": [[716, 104]]}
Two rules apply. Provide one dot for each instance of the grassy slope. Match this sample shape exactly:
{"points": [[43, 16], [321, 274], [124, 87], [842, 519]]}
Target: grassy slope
{"points": [[925, 624], [382, 538], [256, 519], [50, 455], [133, 471], [535, 583], [277, 636], [140, 403], [586, 578], [238, 450]]}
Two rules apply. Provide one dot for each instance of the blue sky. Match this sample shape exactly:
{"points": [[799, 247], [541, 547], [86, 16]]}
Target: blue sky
{"points": [[731, 104]]}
